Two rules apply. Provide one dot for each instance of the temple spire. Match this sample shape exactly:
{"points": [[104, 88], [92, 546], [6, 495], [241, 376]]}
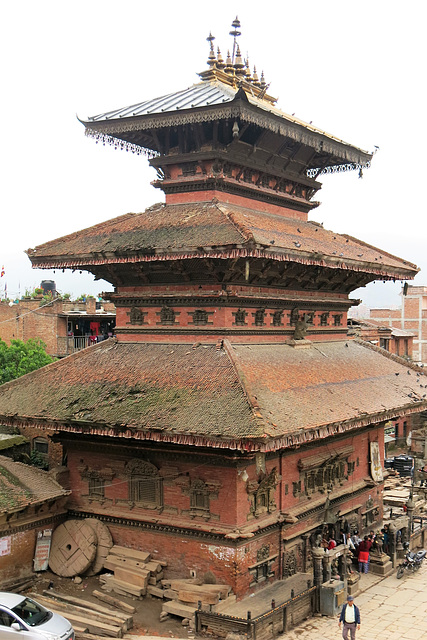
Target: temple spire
{"points": [[235, 70], [211, 57], [235, 33]]}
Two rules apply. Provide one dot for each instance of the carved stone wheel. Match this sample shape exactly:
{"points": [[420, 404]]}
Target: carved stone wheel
{"points": [[73, 548], [105, 542]]}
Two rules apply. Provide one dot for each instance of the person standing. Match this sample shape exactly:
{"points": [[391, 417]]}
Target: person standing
{"points": [[350, 619], [363, 554]]}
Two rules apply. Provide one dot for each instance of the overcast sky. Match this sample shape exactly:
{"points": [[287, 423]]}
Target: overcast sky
{"points": [[355, 69]]}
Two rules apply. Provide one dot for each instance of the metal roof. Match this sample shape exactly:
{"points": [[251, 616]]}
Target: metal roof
{"points": [[203, 94], [206, 94]]}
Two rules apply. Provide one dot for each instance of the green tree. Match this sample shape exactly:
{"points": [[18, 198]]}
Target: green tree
{"points": [[22, 357]]}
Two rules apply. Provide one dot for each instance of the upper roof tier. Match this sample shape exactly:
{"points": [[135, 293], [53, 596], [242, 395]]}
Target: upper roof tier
{"points": [[232, 95]]}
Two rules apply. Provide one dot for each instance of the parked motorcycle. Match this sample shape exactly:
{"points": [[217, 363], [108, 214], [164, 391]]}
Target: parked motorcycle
{"points": [[412, 562]]}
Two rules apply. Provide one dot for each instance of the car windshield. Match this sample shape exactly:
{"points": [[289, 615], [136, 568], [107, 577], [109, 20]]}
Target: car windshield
{"points": [[31, 612]]}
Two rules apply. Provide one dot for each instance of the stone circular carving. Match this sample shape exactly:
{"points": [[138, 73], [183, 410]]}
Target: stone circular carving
{"points": [[105, 542], [73, 548]]}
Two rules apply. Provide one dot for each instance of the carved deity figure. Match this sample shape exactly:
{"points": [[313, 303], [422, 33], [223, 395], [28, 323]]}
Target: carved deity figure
{"points": [[300, 328], [136, 316]]}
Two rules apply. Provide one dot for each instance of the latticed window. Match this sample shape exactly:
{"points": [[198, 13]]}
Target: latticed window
{"points": [[144, 490], [96, 487], [324, 319], [145, 484], [337, 320], [199, 496]]}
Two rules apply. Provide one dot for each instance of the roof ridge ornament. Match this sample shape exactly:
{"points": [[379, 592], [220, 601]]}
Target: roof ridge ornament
{"points": [[235, 33], [235, 71]]}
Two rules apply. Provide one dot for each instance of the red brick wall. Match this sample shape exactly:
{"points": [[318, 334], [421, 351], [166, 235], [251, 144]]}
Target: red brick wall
{"points": [[250, 203], [227, 561], [54, 448], [19, 563]]}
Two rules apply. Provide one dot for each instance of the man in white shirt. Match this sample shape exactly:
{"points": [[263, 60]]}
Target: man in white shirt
{"points": [[350, 618]]}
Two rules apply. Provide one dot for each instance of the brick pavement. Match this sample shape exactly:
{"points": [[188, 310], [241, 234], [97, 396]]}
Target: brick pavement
{"points": [[390, 609]]}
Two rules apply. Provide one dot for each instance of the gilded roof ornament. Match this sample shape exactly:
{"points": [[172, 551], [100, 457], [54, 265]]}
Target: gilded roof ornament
{"points": [[220, 64], [211, 57], [239, 65], [229, 65], [235, 71], [235, 33]]}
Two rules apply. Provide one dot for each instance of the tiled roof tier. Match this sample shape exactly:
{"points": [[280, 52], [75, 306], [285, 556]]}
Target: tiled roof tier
{"points": [[247, 397], [214, 230], [22, 485]]}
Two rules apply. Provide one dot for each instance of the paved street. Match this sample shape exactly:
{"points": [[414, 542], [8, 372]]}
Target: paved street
{"points": [[390, 610]]}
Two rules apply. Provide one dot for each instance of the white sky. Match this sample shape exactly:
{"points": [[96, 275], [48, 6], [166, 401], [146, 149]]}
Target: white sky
{"points": [[356, 69]]}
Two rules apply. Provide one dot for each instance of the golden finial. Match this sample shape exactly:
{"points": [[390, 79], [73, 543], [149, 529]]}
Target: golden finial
{"points": [[262, 83], [255, 78], [229, 65], [239, 64], [248, 70], [219, 60], [235, 33], [211, 57]]}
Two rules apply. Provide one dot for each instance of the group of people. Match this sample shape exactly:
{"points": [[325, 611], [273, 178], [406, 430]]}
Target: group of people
{"points": [[360, 548]]}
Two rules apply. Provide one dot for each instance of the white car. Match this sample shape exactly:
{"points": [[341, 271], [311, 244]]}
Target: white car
{"points": [[22, 618]]}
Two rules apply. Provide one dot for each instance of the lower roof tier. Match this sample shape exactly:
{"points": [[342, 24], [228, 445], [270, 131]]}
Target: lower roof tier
{"points": [[165, 236], [245, 397]]}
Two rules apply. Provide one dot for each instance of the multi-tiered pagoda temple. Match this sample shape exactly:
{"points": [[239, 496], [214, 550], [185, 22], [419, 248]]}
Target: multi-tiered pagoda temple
{"points": [[231, 418]]}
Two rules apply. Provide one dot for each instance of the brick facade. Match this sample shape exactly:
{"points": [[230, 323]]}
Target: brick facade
{"points": [[236, 534], [411, 316]]}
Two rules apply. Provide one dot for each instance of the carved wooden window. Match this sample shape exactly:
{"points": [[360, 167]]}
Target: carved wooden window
{"points": [[240, 317], [262, 495], [167, 315], [96, 487], [263, 567], [200, 316], [277, 319], [259, 316], [199, 496], [324, 319], [145, 484], [309, 317], [337, 320], [296, 488]]}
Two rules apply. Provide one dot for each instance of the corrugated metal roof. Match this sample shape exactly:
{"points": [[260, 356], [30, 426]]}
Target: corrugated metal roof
{"points": [[203, 94], [206, 94]]}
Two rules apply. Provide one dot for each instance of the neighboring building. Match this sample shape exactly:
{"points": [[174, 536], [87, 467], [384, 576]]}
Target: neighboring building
{"points": [[411, 316], [32, 503], [396, 341], [232, 420], [65, 326]]}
